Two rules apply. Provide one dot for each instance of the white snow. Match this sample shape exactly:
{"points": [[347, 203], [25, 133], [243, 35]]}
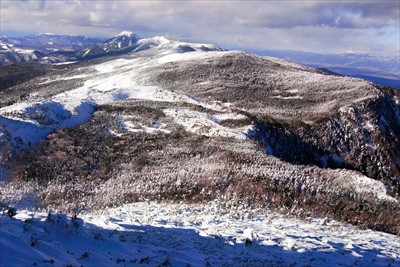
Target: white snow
{"points": [[368, 125], [204, 124], [165, 46], [125, 33], [87, 52], [287, 97], [25, 125], [129, 125], [65, 63], [151, 234], [24, 51], [195, 55], [364, 185], [5, 46], [229, 116]]}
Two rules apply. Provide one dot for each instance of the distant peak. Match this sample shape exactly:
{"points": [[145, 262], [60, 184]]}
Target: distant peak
{"points": [[125, 33], [45, 33]]}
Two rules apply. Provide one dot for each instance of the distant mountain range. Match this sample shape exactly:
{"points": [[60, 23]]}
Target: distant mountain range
{"points": [[47, 42], [20, 62], [383, 70], [50, 48]]}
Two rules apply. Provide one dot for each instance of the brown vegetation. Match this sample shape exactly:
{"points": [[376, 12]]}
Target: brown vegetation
{"points": [[90, 165]]}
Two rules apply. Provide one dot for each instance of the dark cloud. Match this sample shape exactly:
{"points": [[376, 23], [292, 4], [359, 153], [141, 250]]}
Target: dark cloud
{"points": [[317, 25]]}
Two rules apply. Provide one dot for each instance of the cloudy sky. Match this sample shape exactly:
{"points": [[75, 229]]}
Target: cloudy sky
{"points": [[316, 26]]}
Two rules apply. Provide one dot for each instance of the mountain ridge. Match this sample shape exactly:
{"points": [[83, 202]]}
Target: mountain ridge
{"points": [[380, 70], [124, 42], [191, 122]]}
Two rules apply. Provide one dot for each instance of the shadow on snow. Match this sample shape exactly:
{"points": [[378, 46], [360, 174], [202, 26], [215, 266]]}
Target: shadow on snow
{"points": [[61, 241]]}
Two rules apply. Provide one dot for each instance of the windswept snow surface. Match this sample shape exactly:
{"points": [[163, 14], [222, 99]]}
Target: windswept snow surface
{"points": [[151, 234]]}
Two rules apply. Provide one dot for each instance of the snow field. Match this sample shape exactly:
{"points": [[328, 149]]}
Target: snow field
{"points": [[153, 234]]}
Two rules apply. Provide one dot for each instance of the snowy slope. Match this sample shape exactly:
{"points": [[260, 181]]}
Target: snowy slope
{"points": [[71, 108], [151, 234], [26, 122], [211, 234], [126, 42], [30, 120]]}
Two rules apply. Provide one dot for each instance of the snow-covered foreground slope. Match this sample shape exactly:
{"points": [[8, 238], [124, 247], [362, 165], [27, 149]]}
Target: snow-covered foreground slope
{"points": [[151, 234]]}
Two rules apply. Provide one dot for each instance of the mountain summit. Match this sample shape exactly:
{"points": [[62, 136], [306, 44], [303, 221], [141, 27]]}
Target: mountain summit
{"points": [[121, 41], [126, 33]]}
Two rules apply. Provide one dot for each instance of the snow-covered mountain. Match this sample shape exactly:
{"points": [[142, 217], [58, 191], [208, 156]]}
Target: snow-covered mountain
{"points": [[9, 54], [42, 48], [126, 42], [183, 122], [123, 42], [49, 48], [48, 42]]}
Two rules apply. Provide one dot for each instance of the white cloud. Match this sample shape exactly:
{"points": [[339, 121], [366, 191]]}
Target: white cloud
{"points": [[303, 25]]}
